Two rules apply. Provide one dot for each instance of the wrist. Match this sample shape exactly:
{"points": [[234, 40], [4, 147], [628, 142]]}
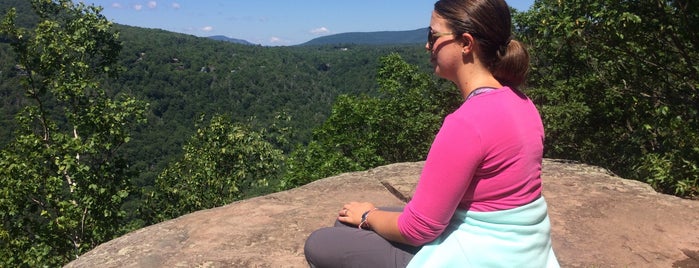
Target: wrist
{"points": [[364, 223]]}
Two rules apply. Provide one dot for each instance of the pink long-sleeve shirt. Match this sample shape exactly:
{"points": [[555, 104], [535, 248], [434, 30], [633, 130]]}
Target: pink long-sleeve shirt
{"points": [[486, 157]]}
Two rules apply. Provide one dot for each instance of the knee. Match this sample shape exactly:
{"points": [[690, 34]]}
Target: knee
{"points": [[314, 247]]}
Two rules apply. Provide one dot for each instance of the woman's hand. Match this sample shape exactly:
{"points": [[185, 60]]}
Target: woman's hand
{"points": [[351, 213]]}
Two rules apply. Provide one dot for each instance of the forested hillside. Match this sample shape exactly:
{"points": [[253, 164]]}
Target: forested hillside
{"points": [[183, 77], [107, 128], [265, 94]]}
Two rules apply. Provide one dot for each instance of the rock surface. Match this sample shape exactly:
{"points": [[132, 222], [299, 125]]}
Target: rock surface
{"points": [[598, 219]]}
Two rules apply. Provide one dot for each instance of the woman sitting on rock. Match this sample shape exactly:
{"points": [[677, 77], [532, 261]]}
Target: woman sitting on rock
{"points": [[478, 202]]}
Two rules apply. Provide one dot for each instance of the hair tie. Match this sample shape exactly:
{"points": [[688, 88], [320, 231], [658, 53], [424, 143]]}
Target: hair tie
{"points": [[502, 50]]}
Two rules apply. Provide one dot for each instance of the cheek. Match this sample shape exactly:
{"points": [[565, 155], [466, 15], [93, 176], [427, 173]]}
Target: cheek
{"points": [[446, 66]]}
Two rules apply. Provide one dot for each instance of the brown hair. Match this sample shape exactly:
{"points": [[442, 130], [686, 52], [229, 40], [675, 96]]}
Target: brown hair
{"points": [[490, 24]]}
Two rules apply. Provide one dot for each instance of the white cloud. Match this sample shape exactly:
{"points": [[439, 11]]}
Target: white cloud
{"points": [[278, 41], [152, 4], [207, 28], [116, 5], [137, 7], [176, 5], [320, 31]]}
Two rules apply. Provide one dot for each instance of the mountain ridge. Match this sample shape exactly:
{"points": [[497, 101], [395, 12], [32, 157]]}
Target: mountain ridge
{"points": [[229, 39], [416, 36], [372, 38]]}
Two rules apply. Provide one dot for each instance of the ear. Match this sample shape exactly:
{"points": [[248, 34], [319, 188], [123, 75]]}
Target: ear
{"points": [[468, 44]]}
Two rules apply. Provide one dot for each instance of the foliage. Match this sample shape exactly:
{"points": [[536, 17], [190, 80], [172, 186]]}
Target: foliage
{"points": [[244, 82], [183, 76], [615, 81], [62, 180], [362, 132], [223, 162], [617, 85], [25, 18]]}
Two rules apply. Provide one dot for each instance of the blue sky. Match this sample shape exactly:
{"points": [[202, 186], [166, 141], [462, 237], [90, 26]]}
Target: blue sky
{"points": [[273, 22]]}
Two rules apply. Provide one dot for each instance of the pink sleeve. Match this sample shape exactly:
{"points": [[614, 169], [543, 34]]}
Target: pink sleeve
{"points": [[450, 166]]}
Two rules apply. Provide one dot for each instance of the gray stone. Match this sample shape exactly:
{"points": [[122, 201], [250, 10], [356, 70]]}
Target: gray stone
{"points": [[598, 219]]}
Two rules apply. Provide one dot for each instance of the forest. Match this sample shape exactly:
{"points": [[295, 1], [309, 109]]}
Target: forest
{"points": [[109, 128]]}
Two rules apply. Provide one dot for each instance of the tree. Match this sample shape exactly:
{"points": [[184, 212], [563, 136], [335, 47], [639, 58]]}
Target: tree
{"points": [[62, 179], [363, 132], [617, 85], [223, 162]]}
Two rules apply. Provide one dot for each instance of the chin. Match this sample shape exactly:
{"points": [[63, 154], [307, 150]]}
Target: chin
{"points": [[438, 72]]}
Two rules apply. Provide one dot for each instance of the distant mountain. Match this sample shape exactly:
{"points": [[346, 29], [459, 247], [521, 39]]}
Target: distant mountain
{"points": [[355, 38], [228, 39], [372, 38]]}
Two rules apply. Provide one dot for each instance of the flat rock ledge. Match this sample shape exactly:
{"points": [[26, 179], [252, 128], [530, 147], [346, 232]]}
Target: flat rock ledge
{"points": [[598, 219]]}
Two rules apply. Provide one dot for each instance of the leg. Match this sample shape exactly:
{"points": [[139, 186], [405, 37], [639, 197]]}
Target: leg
{"points": [[347, 246]]}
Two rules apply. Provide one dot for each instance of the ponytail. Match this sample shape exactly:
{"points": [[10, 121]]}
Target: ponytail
{"points": [[511, 66]]}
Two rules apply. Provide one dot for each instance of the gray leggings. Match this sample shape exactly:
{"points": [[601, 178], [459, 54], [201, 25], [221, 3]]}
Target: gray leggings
{"points": [[348, 246]]}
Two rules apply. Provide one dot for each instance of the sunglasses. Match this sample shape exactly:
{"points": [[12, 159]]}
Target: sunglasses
{"points": [[432, 37]]}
